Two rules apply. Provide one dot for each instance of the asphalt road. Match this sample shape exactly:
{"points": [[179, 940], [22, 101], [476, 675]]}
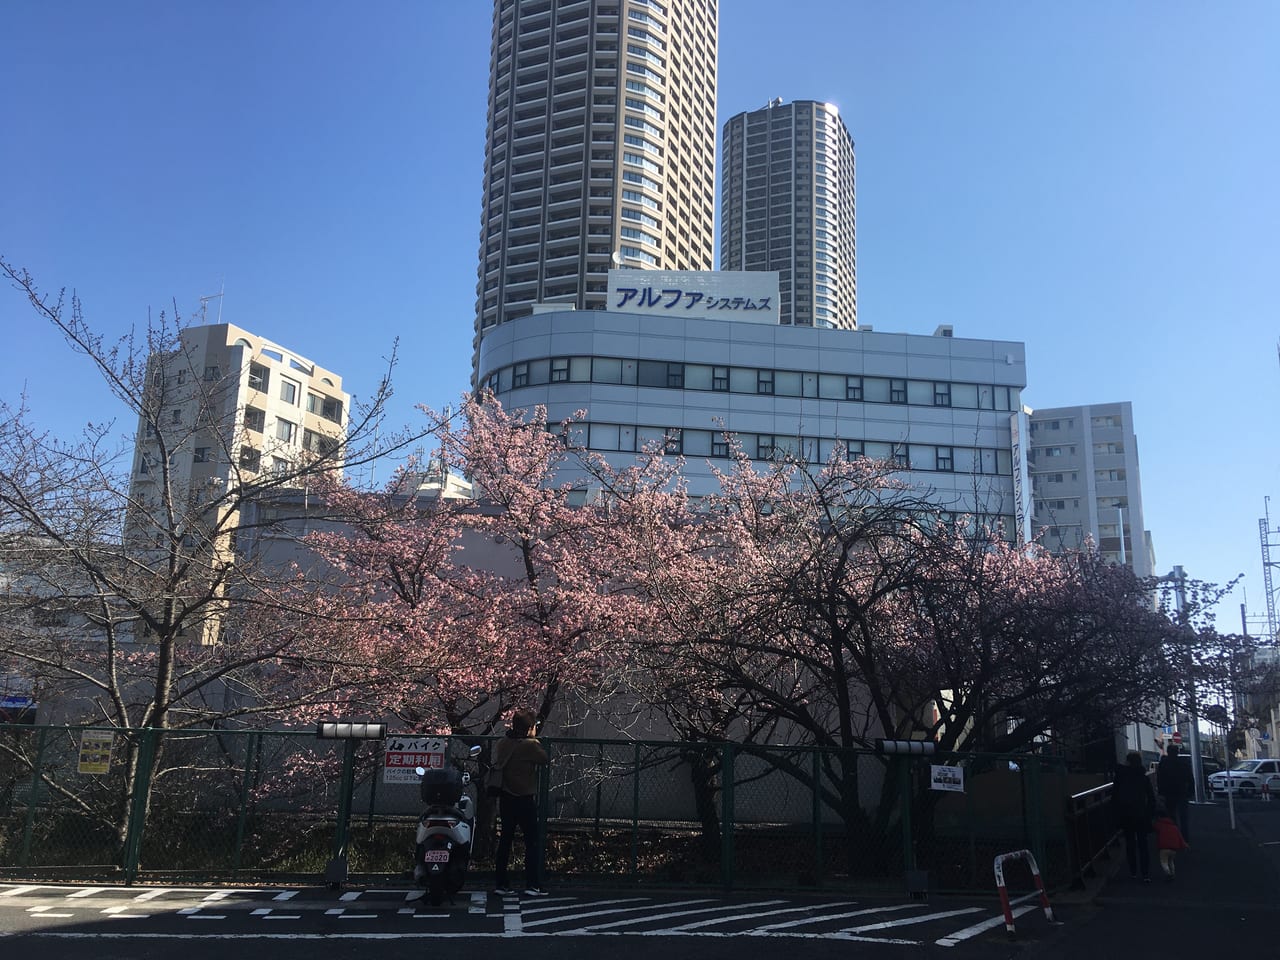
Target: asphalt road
{"points": [[1224, 901]]}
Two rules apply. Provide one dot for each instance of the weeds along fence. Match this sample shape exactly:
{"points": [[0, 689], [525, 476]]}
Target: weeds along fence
{"points": [[262, 806]]}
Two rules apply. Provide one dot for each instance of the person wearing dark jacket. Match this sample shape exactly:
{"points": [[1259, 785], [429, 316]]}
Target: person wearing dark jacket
{"points": [[1133, 803], [1176, 785], [519, 755]]}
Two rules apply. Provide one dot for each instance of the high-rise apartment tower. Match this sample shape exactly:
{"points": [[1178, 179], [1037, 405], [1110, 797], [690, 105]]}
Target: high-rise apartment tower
{"points": [[1084, 474], [600, 149], [787, 204]]}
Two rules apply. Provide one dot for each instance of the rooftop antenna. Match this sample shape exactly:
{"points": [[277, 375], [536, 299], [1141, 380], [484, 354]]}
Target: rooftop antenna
{"points": [[204, 304]]}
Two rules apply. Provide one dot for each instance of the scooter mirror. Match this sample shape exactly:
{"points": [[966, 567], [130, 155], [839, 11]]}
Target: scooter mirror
{"points": [[420, 771], [466, 778], [474, 752]]}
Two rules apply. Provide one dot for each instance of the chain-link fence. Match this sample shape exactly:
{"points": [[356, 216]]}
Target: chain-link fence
{"points": [[265, 805]]}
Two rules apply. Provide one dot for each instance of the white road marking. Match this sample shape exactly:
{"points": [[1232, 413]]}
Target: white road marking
{"points": [[284, 916], [512, 926], [715, 920], [129, 916], [19, 891], [907, 921], [43, 914], [662, 916], [412, 895], [206, 916], [334, 913], [479, 902], [351, 895], [570, 917], [219, 895], [152, 894], [821, 918], [260, 912], [358, 916], [88, 892], [286, 895], [529, 911], [951, 939]]}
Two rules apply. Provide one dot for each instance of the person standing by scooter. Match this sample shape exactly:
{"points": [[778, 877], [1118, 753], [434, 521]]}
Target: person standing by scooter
{"points": [[519, 755]]}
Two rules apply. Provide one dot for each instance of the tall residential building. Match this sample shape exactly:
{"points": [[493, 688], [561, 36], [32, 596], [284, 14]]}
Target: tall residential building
{"points": [[600, 149], [226, 408], [1085, 483], [787, 204]]}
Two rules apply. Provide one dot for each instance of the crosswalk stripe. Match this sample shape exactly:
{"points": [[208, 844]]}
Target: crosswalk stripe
{"points": [[569, 918], [663, 916], [19, 891], [951, 939], [821, 918], [907, 921], [767, 913]]}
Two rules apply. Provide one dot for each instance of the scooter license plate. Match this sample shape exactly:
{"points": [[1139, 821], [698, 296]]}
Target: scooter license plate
{"points": [[436, 856]]}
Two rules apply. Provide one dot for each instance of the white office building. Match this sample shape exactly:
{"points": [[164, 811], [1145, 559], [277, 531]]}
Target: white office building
{"points": [[947, 409]]}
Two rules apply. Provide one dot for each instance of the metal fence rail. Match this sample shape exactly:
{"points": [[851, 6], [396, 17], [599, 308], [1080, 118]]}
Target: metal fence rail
{"points": [[262, 805]]}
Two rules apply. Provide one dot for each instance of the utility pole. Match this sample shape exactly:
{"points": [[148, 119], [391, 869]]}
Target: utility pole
{"points": [[1179, 578]]}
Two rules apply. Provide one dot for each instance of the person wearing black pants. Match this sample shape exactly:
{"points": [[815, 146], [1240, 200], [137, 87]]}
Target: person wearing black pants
{"points": [[1177, 785], [1133, 803], [519, 755]]}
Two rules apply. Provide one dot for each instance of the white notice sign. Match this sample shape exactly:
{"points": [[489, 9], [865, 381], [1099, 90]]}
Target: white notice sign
{"points": [[946, 778]]}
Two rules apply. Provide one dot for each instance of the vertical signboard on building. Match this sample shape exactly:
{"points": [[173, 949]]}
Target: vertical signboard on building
{"points": [[1020, 436]]}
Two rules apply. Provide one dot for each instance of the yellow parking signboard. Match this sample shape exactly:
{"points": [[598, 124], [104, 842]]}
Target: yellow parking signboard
{"points": [[95, 751]]}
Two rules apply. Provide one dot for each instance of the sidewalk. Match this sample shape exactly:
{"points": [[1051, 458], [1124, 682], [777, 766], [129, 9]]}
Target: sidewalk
{"points": [[1225, 900]]}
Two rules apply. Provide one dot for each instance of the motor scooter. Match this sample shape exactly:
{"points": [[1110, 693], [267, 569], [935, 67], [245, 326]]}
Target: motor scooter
{"points": [[442, 845]]}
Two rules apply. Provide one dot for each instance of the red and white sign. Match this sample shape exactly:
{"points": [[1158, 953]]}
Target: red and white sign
{"points": [[1177, 736], [403, 755]]}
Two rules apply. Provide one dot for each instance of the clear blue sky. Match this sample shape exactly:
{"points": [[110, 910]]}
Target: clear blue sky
{"points": [[1096, 179]]}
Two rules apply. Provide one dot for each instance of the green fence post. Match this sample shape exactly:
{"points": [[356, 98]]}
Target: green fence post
{"points": [[37, 769], [253, 739], [819, 865], [635, 812], [1035, 813], [138, 803], [726, 816], [344, 799], [904, 786]]}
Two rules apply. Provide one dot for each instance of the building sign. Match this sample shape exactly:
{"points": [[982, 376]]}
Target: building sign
{"points": [[403, 755], [750, 295], [1022, 505], [950, 779], [95, 752]]}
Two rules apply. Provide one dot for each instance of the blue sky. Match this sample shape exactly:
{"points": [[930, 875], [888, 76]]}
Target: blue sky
{"points": [[1094, 179]]}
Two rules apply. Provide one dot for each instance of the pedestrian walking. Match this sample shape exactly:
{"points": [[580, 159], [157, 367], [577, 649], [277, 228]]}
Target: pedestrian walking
{"points": [[519, 755], [1169, 840], [1133, 804], [1176, 785]]}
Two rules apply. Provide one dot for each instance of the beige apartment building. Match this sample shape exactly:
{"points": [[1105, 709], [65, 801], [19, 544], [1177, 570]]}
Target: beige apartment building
{"points": [[599, 151], [227, 415], [787, 205]]}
